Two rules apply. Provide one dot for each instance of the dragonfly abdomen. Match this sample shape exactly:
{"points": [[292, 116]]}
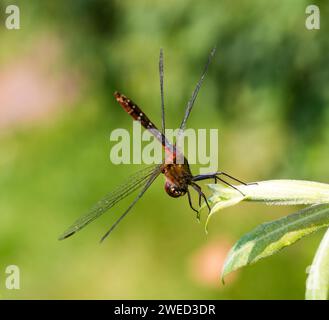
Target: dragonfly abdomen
{"points": [[131, 108]]}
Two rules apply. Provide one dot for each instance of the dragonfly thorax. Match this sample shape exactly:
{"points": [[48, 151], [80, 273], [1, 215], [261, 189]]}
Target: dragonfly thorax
{"points": [[178, 177]]}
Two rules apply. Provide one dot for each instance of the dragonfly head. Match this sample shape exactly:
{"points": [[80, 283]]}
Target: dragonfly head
{"points": [[173, 190]]}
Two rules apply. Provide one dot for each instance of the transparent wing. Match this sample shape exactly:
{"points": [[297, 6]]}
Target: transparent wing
{"points": [[122, 191], [195, 93], [148, 183], [163, 125]]}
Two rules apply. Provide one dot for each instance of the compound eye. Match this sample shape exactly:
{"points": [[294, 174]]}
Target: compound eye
{"points": [[172, 190]]}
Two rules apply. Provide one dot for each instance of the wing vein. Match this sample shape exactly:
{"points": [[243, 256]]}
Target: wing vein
{"points": [[133, 183]]}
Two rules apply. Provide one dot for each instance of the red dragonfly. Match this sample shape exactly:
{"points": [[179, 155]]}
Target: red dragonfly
{"points": [[178, 176]]}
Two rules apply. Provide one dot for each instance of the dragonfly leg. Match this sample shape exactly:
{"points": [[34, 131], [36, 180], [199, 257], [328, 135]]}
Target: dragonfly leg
{"points": [[201, 194], [190, 201], [216, 177], [233, 178], [231, 185], [191, 206]]}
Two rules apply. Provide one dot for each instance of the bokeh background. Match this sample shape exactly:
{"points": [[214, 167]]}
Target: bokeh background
{"points": [[266, 92]]}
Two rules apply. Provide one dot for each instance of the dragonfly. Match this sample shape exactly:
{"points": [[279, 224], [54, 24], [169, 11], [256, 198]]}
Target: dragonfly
{"points": [[178, 175]]}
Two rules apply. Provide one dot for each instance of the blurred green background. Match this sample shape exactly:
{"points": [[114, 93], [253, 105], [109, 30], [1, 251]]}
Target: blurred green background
{"points": [[265, 92]]}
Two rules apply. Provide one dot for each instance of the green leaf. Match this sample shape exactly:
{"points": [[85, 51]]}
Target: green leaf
{"points": [[269, 238], [271, 192], [317, 284]]}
